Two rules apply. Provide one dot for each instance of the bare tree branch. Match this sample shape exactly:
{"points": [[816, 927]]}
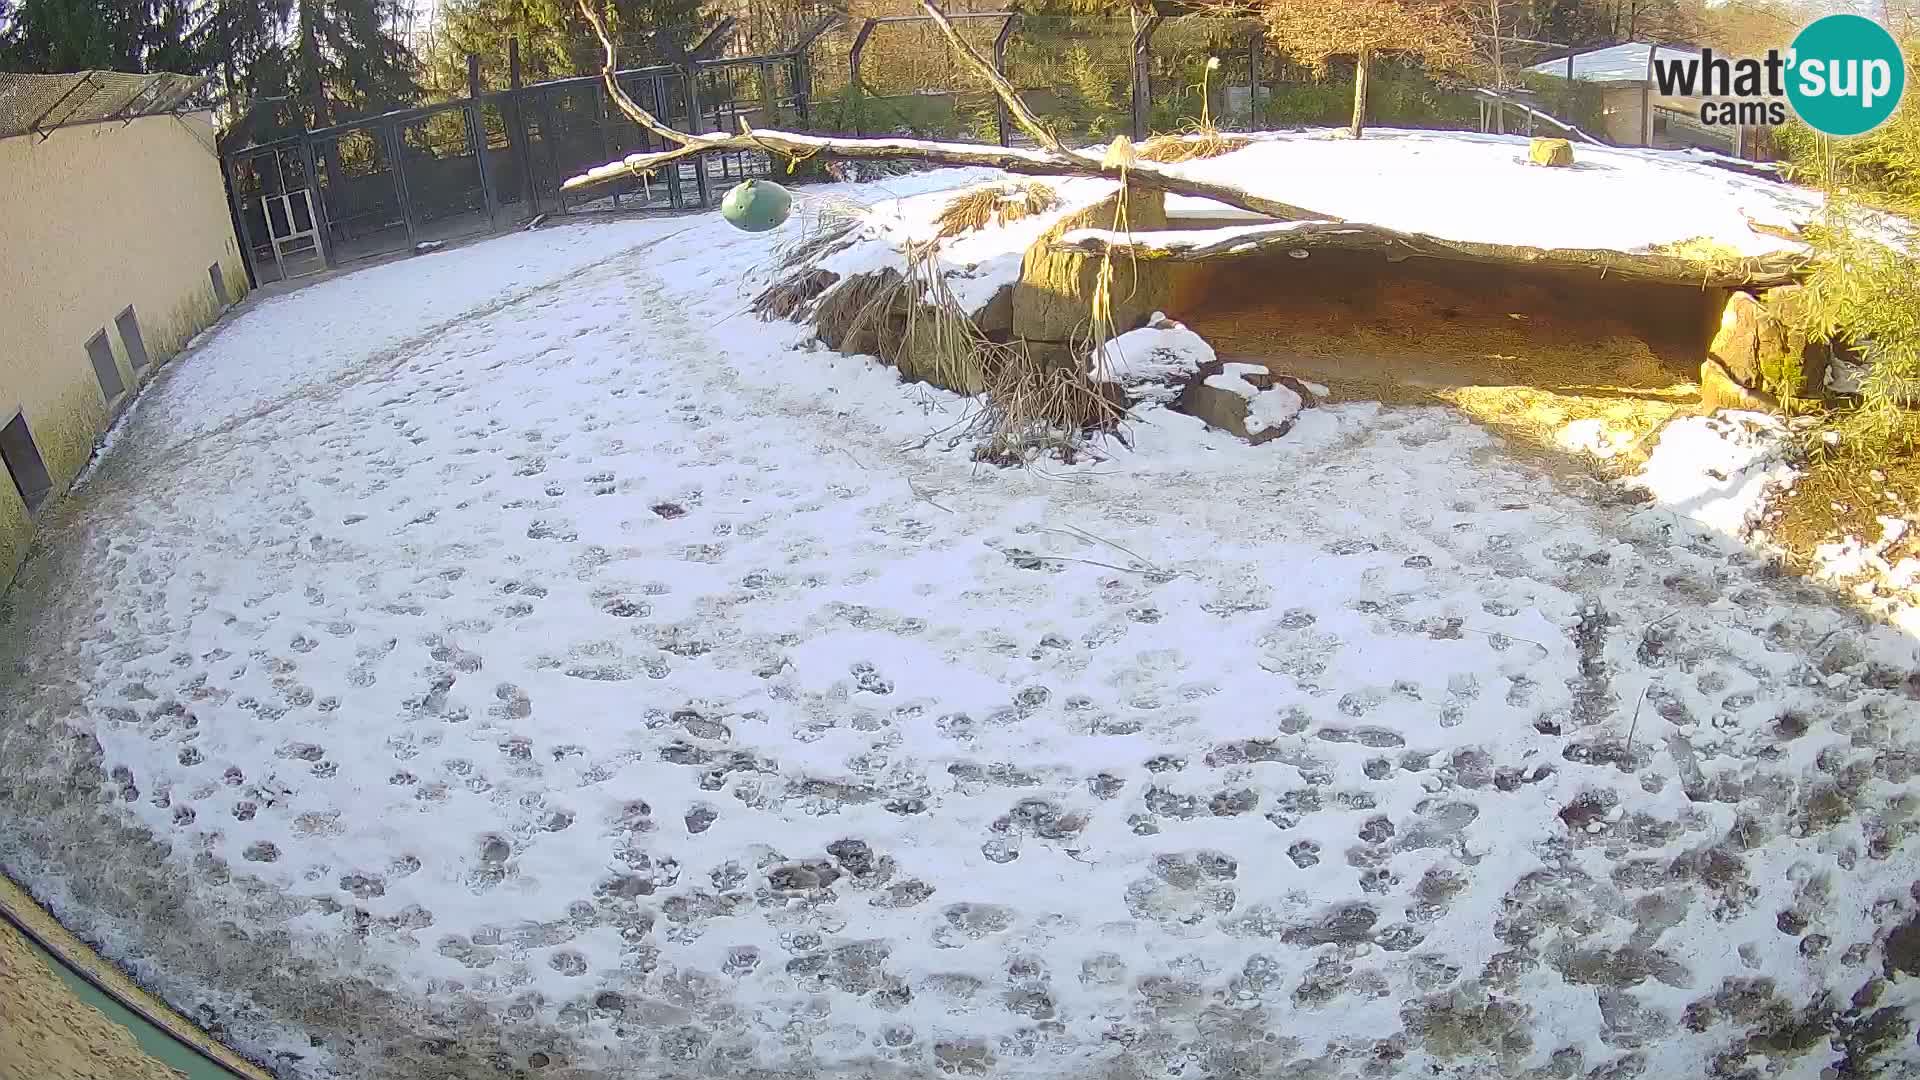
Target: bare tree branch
{"points": [[1053, 159], [1003, 89]]}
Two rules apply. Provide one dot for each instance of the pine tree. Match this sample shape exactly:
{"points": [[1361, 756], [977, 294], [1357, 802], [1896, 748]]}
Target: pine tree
{"points": [[73, 35], [346, 61]]}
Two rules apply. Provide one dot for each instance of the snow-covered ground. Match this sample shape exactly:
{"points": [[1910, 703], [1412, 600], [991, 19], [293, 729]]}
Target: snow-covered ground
{"points": [[1480, 188], [519, 658]]}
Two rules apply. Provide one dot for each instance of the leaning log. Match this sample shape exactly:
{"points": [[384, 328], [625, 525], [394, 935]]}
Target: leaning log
{"points": [[1197, 245]]}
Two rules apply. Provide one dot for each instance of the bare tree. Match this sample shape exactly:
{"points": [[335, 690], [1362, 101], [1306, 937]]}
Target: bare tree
{"points": [[1317, 31]]}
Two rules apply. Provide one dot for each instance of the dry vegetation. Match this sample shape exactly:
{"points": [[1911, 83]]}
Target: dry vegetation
{"points": [[993, 204], [1196, 145]]}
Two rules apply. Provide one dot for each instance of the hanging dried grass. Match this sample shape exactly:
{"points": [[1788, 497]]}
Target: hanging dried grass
{"points": [[791, 296]]}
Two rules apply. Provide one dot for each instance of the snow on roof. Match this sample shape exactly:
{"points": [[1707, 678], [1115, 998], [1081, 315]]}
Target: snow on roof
{"points": [[1477, 188], [1616, 63]]}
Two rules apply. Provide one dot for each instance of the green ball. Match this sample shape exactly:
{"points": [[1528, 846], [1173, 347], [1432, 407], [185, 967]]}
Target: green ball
{"points": [[756, 205]]}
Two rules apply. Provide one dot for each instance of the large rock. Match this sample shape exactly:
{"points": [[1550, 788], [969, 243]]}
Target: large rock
{"points": [[1761, 346], [1244, 400], [1719, 390], [1053, 301], [1557, 152]]}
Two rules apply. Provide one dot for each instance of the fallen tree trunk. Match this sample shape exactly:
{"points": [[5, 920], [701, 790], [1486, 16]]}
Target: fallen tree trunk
{"points": [[1243, 240], [1143, 174]]}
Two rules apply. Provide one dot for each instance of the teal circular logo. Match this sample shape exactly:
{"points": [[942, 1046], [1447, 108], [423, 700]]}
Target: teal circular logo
{"points": [[1846, 74]]}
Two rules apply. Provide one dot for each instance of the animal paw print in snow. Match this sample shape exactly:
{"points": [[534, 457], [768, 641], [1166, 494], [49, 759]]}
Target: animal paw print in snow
{"points": [[867, 679]]}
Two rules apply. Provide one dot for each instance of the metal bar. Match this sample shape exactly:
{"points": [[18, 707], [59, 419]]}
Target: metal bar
{"points": [[1143, 75], [515, 115], [853, 74], [477, 138], [231, 167], [693, 121], [807, 39], [86, 79], [798, 78], [767, 99], [1253, 80], [316, 208], [715, 40], [1646, 100], [675, 194], [398, 159], [603, 105], [1003, 122], [546, 138]]}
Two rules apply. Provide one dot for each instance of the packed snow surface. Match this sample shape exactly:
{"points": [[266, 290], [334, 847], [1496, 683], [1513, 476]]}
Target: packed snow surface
{"points": [[1719, 470], [522, 662], [1481, 188]]}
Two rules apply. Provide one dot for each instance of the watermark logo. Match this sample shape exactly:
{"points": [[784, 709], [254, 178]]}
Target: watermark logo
{"points": [[1843, 75], [1848, 74]]}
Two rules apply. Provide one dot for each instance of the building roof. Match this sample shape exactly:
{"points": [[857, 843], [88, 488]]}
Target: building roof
{"points": [[1614, 64]]}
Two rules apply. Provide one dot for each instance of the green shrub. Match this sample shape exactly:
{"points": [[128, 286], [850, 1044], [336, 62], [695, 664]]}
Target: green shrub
{"points": [[1864, 295], [1090, 103]]}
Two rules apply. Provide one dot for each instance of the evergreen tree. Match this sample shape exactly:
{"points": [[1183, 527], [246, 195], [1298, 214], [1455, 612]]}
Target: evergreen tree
{"points": [[345, 60], [73, 35]]}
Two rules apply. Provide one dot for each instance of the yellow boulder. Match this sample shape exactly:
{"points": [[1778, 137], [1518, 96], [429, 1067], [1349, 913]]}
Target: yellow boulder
{"points": [[1550, 152]]}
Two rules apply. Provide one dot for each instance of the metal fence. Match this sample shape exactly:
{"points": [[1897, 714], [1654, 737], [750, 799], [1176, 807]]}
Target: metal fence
{"points": [[496, 158], [43, 103], [441, 172]]}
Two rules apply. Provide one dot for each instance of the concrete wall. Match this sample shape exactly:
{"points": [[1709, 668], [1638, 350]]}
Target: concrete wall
{"points": [[92, 219]]}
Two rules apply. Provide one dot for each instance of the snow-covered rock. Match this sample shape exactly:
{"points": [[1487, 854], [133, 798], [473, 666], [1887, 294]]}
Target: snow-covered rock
{"points": [[1154, 363]]}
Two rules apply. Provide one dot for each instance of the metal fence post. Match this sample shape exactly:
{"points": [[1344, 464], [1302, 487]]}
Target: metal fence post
{"points": [[316, 206], [477, 138], [802, 60], [1002, 120], [236, 206], [769, 100], [855, 93], [396, 150], [544, 94], [605, 106], [515, 115], [1143, 75], [1253, 80], [691, 74]]}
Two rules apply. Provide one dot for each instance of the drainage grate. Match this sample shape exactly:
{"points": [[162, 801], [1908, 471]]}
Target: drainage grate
{"points": [[129, 325], [105, 367], [23, 462]]}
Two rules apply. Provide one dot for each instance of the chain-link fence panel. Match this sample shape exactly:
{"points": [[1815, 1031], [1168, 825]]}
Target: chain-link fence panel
{"points": [[45, 102]]}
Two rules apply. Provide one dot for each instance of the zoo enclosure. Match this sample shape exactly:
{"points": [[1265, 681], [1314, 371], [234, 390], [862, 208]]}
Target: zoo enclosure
{"points": [[426, 175], [421, 176]]}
